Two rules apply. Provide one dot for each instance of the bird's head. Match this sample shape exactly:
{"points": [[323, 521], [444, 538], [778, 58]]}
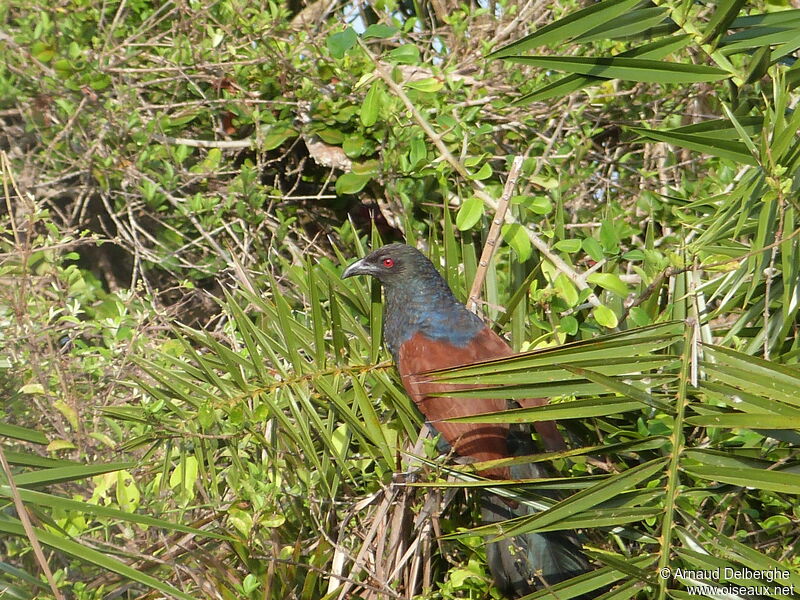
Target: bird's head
{"points": [[392, 265]]}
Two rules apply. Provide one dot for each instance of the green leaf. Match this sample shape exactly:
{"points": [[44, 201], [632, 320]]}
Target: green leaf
{"points": [[634, 255], [627, 25], [514, 235], [758, 37], [743, 554], [759, 64], [184, 475], [351, 183], [380, 31], [632, 348], [740, 130], [609, 281], [556, 380], [101, 559], [15, 432], [354, 145], [568, 325], [566, 85], [747, 420], [588, 584], [428, 85], [724, 14], [574, 409], [42, 52], [608, 237], [32, 388], [628, 69], [469, 213], [541, 205], [56, 502], [781, 17], [747, 402], [604, 517], [339, 43], [605, 316], [568, 246], [63, 68], [276, 135], [64, 474], [570, 26], [483, 173], [371, 421], [371, 107], [407, 54], [29, 459], [127, 492], [608, 488], [755, 375], [727, 459], [735, 151], [722, 128], [330, 135], [566, 289], [419, 152], [593, 248], [367, 167], [100, 82], [620, 387], [776, 481], [57, 445]]}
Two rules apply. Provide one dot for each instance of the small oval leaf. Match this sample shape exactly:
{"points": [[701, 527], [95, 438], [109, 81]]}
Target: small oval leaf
{"points": [[372, 105], [351, 183], [610, 282], [566, 289], [341, 42], [593, 248], [515, 236], [605, 316], [469, 213], [568, 245]]}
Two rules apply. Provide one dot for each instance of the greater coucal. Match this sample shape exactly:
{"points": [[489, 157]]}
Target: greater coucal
{"points": [[426, 328]]}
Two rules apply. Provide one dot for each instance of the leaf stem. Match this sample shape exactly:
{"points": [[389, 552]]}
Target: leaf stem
{"points": [[678, 442]]}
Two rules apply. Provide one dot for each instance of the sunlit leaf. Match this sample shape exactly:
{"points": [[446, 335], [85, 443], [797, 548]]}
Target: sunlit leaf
{"points": [[777, 481], [572, 25], [630, 69]]}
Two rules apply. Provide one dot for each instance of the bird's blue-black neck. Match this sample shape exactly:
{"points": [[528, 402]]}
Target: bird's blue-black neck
{"points": [[425, 304]]}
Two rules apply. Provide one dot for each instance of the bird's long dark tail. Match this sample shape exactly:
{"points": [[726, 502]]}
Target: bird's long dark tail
{"points": [[525, 563]]}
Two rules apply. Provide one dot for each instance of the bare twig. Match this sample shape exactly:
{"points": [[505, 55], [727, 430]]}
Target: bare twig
{"points": [[654, 285], [222, 144], [494, 233]]}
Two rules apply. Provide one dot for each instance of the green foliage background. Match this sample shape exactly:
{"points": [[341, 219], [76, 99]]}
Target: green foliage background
{"points": [[197, 406]]}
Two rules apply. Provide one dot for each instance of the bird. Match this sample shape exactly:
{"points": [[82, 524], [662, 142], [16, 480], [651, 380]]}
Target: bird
{"points": [[426, 328]]}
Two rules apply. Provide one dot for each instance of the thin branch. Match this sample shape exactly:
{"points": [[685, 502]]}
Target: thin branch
{"points": [[648, 291], [494, 233], [222, 144]]}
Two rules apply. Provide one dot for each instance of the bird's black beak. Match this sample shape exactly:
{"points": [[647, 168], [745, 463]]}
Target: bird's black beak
{"points": [[357, 268]]}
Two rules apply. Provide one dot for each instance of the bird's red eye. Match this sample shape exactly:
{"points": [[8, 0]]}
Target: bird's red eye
{"points": [[388, 263]]}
